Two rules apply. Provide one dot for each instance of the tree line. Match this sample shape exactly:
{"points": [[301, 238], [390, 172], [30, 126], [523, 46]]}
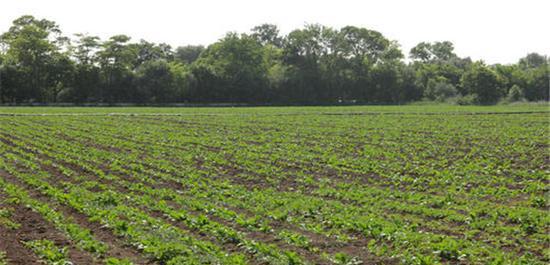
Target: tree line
{"points": [[315, 64]]}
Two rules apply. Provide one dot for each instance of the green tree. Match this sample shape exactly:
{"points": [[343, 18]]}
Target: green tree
{"points": [[159, 81], [533, 60], [87, 80], [537, 74], [538, 83], [430, 52], [2, 73], [188, 54], [439, 89], [482, 82], [515, 93], [117, 60], [303, 49], [362, 49], [410, 91], [147, 51], [61, 76], [32, 45], [267, 34], [4, 94], [387, 83], [311, 65], [434, 71], [232, 70]]}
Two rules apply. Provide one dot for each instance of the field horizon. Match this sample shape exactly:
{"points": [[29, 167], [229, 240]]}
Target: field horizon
{"points": [[420, 108]]}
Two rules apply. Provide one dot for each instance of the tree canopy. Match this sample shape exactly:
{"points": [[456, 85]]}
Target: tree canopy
{"points": [[314, 64]]}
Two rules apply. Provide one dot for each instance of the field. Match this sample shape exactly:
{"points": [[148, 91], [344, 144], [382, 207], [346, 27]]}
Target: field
{"points": [[275, 185]]}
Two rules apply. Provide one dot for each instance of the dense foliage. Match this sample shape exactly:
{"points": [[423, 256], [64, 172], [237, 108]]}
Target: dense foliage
{"points": [[315, 64], [277, 185]]}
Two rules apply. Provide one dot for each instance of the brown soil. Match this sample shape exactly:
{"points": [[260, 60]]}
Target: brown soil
{"points": [[233, 174], [34, 227], [325, 244], [116, 247]]}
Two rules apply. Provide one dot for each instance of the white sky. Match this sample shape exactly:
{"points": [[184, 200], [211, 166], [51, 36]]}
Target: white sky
{"points": [[492, 30]]}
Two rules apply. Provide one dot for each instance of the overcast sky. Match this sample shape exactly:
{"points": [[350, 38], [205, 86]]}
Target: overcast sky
{"points": [[492, 30]]}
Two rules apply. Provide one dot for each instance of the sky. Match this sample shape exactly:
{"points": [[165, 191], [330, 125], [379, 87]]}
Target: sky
{"points": [[495, 31]]}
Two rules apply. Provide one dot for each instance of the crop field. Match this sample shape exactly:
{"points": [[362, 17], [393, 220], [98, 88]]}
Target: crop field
{"points": [[275, 185]]}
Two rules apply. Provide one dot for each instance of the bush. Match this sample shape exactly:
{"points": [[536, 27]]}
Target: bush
{"points": [[483, 82], [471, 99], [439, 90], [515, 94]]}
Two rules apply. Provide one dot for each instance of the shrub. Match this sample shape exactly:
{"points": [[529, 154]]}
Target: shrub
{"points": [[439, 91], [471, 99], [515, 94]]}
